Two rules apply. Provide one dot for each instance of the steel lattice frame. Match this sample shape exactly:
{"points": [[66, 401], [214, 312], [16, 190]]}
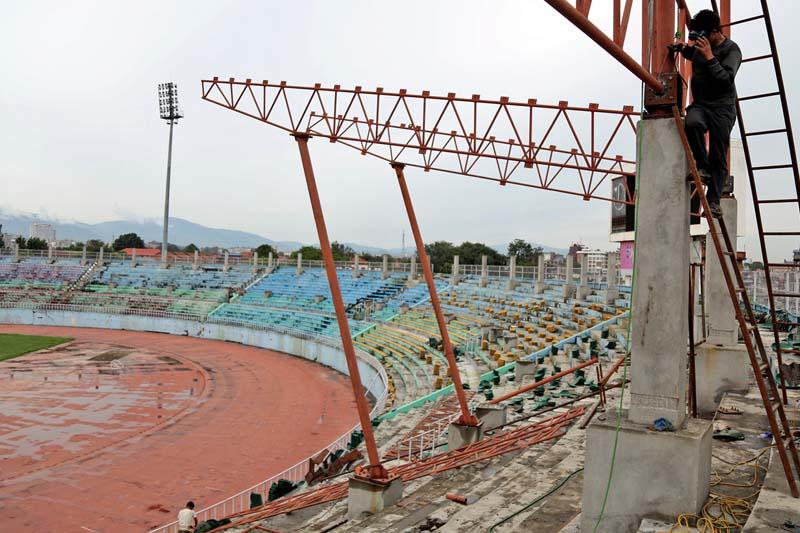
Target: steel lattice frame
{"points": [[493, 140]]}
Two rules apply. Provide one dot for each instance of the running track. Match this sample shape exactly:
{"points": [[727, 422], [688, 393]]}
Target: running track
{"points": [[259, 413]]}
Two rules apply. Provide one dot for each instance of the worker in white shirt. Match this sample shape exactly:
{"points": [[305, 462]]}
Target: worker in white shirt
{"points": [[187, 519]]}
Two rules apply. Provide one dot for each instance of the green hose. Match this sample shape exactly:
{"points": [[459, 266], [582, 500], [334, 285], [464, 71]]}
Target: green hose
{"points": [[537, 500], [627, 340]]}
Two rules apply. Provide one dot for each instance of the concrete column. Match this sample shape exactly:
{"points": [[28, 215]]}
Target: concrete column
{"points": [[356, 272], [672, 469], [299, 264], [49, 253], [225, 266], [196, 262], [660, 297], [368, 497], [412, 271], [269, 261], [16, 252], [612, 292], [583, 287], [255, 262], [512, 273], [721, 325], [133, 258], [385, 267], [540, 286], [569, 283], [721, 364], [786, 299], [484, 271], [100, 258], [83, 256], [455, 275]]}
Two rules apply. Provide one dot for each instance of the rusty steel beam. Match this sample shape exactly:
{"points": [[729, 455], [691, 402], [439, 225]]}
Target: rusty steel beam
{"points": [[500, 140], [375, 470], [544, 381], [607, 44], [503, 443], [467, 418]]}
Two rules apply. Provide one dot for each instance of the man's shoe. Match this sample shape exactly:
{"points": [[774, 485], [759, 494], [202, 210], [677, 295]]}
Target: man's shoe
{"points": [[705, 176], [727, 186], [716, 210]]}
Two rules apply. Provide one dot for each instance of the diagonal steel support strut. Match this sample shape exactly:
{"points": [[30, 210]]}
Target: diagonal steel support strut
{"points": [[375, 470], [467, 418]]}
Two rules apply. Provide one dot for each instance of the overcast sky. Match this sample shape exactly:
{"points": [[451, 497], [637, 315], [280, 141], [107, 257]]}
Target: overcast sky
{"points": [[81, 137]]}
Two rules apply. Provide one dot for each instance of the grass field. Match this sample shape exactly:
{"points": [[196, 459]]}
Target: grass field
{"points": [[12, 345]]}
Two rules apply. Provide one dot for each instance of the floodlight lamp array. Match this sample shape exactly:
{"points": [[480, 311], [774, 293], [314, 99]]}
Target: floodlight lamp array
{"points": [[168, 101]]}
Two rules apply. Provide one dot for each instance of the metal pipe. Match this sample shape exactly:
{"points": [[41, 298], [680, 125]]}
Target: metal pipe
{"points": [[466, 417], [594, 33], [165, 231], [375, 470], [544, 381]]}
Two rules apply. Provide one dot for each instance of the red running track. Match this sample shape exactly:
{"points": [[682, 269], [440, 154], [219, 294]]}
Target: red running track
{"points": [[125, 445]]}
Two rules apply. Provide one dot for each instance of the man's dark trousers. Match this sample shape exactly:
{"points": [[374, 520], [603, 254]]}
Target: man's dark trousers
{"points": [[718, 122]]}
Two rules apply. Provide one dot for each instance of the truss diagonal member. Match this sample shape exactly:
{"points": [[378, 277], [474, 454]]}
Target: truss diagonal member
{"points": [[490, 139]]}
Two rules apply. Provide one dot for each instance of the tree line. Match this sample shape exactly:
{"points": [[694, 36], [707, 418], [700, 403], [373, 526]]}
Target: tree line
{"points": [[440, 252]]}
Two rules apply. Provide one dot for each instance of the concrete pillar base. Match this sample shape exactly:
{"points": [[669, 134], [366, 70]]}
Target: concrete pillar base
{"points": [[366, 496], [610, 295], [583, 292], [411, 283], [522, 368], [491, 416], [659, 475], [568, 291], [539, 288], [484, 282], [459, 435], [455, 280], [512, 285], [720, 369]]}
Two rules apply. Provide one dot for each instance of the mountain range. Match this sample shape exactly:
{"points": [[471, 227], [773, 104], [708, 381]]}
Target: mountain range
{"points": [[181, 232]]}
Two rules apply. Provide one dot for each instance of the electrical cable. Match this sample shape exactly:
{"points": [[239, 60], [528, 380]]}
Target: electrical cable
{"points": [[723, 512], [627, 340]]}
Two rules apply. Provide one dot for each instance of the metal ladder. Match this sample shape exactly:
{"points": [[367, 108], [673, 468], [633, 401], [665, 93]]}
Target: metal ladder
{"points": [[755, 174], [759, 359]]}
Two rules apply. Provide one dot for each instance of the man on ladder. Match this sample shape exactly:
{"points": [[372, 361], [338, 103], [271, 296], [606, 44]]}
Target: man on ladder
{"points": [[715, 61]]}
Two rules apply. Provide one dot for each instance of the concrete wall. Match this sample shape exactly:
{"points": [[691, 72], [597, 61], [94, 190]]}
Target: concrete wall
{"points": [[331, 355]]}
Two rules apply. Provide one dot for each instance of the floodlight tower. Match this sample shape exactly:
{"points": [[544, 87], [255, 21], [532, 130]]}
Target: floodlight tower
{"points": [[169, 111]]}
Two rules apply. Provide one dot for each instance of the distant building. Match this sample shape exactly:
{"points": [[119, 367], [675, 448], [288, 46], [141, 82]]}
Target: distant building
{"points": [[8, 239], [46, 232], [597, 261], [63, 243], [575, 248]]}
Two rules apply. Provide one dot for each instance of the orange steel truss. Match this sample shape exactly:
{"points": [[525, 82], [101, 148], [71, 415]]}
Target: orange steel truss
{"points": [[568, 149]]}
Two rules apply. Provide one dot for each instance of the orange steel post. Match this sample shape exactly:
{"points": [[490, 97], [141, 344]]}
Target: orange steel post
{"points": [[544, 381], [725, 17], [645, 37], [466, 418], [375, 470], [664, 35]]}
